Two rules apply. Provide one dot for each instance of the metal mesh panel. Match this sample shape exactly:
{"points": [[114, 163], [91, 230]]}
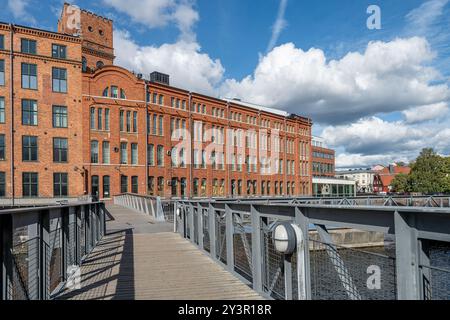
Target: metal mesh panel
{"points": [[221, 244], [187, 222], [71, 245], [206, 238], [341, 273], [82, 234], [273, 267], [195, 226], [438, 286], [168, 210], [54, 254], [242, 245]]}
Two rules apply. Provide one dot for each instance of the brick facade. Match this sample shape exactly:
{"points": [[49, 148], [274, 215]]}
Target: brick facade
{"points": [[110, 108]]}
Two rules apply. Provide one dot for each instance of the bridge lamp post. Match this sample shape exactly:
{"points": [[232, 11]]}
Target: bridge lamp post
{"points": [[287, 239]]}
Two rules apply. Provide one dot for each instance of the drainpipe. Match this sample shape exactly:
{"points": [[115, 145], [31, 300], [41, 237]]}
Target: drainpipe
{"points": [[191, 141], [11, 97], [285, 159], [147, 104]]}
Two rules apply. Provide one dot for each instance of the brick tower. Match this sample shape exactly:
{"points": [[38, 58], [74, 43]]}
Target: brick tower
{"points": [[95, 31]]}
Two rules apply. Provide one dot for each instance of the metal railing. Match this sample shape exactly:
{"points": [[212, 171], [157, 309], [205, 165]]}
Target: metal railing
{"points": [[238, 235], [39, 245], [160, 210]]}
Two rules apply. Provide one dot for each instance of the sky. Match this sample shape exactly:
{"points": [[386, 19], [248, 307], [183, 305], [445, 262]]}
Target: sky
{"points": [[377, 96]]}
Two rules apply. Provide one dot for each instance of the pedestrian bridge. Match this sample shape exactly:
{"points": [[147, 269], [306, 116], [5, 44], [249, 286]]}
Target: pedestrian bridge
{"points": [[143, 248]]}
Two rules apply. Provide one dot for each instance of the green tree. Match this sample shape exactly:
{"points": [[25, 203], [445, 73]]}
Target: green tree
{"points": [[429, 173], [401, 183]]}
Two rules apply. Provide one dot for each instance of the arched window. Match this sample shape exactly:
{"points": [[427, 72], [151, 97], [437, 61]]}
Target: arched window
{"points": [[84, 64], [100, 64], [122, 94], [105, 92]]}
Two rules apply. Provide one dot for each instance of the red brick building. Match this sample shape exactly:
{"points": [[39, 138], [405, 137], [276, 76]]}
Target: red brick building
{"points": [[323, 159], [383, 178], [103, 130]]}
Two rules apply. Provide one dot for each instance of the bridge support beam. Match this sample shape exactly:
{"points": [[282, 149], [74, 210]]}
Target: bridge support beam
{"points": [[256, 250]]}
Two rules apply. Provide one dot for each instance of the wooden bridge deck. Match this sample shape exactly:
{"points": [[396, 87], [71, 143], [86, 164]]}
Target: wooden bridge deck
{"points": [[140, 259]]}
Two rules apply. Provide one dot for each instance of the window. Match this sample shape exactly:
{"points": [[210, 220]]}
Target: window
{"points": [[128, 121], [2, 72], [2, 110], [134, 153], [160, 156], [105, 92], [60, 149], [123, 184], [123, 153], [29, 184], [29, 76], [195, 188], [29, 112], [59, 51], [94, 151], [150, 185], [29, 148], [122, 94], [160, 186], [2, 147], [100, 119], [106, 186], [154, 98], [2, 42], [114, 92], [106, 152], [28, 46], [60, 185], [135, 114], [203, 188], [134, 184], [59, 117], [59, 82], [151, 155], [83, 64], [107, 119], [161, 99], [2, 184], [100, 65], [92, 118], [121, 118], [155, 124]]}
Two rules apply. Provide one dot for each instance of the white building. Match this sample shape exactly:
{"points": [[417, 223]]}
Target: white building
{"points": [[363, 178], [333, 187]]}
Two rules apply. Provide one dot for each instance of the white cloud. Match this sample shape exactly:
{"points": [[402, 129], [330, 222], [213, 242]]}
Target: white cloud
{"points": [[160, 13], [386, 77], [346, 161], [187, 66], [426, 113], [279, 25], [19, 10], [421, 19]]}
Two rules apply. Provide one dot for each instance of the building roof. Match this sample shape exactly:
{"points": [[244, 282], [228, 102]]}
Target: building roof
{"points": [[258, 107]]}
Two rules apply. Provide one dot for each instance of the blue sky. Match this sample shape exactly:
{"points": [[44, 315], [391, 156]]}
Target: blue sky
{"points": [[320, 64]]}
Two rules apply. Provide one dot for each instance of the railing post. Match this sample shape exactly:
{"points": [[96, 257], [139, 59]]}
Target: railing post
{"points": [[229, 237], [5, 257], [191, 222], [256, 250], [33, 257], [200, 225], [44, 283], [212, 231], [303, 276], [407, 258], [288, 277]]}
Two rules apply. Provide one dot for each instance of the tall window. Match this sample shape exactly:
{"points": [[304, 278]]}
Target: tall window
{"points": [[84, 64], [123, 184], [134, 184], [29, 148], [155, 124], [107, 119], [121, 119], [60, 184], [160, 125], [135, 114], [106, 152], [28, 46], [150, 184], [59, 77], [2, 42], [134, 153], [29, 112], [59, 117], [161, 99], [151, 154], [2, 110], [160, 156], [160, 183], [128, 121], [59, 51], [2, 72], [92, 119], [123, 153], [122, 94], [29, 76], [106, 186], [29, 184], [94, 151], [2, 147], [2, 184], [60, 149], [195, 188], [100, 119]]}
